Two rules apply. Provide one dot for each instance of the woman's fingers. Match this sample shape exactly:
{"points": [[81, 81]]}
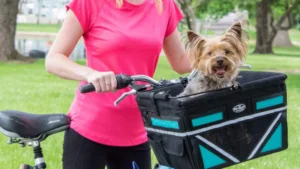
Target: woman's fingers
{"points": [[97, 86], [113, 81], [103, 81], [107, 82]]}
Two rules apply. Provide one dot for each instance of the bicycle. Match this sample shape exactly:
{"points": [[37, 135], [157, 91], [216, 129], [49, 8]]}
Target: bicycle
{"points": [[183, 134], [29, 129]]}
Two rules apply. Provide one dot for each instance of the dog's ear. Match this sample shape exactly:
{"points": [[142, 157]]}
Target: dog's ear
{"points": [[235, 29], [194, 47], [192, 35], [238, 37]]}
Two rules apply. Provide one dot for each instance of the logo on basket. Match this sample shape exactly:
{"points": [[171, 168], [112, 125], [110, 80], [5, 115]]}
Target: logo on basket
{"points": [[239, 108]]}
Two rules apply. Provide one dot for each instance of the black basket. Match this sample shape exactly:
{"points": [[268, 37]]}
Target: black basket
{"points": [[219, 128]]}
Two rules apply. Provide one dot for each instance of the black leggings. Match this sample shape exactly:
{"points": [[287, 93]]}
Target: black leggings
{"points": [[81, 153]]}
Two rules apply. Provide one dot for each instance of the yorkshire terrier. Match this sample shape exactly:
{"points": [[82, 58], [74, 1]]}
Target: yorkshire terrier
{"points": [[217, 60]]}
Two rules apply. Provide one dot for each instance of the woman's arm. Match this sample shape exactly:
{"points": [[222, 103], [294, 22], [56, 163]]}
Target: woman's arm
{"points": [[58, 62], [175, 52]]}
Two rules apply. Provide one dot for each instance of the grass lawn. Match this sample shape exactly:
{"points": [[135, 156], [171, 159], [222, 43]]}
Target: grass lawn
{"points": [[29, 88], [52, 28]]}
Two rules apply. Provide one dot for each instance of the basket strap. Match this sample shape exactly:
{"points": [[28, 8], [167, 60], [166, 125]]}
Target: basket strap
{"points": [[151, 96]]}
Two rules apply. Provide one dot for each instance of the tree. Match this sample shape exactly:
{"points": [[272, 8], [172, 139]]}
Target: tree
{"points": [[214, 8], [272, 18], [8, 22], [282, 38], [187, 9], [200, 8], [266, 27]]}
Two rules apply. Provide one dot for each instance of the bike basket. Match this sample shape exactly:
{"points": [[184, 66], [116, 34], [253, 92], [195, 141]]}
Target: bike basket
{"points": [[219, 128]]}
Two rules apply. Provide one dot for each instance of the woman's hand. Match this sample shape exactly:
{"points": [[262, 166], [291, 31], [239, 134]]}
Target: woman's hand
{"points": [[102, 81]]}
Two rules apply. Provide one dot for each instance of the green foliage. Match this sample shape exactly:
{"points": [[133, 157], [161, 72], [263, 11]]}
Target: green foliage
{"points": [[219, 8], [279, 7], [53, 28], [213, 8], [298, 27]]}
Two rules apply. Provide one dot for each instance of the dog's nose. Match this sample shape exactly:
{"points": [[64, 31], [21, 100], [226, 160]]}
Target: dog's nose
{"points": [[220, 60]]}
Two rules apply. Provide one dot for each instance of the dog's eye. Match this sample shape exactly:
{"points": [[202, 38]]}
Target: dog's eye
{"points": [[227, 51], [209, 53]]}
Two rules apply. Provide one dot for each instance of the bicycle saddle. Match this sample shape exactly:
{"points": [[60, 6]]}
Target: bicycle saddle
{"points": [[17, 124]]}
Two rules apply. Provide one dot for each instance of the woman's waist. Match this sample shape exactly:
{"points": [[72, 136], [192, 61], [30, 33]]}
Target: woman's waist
{"points": [[105, 101], [99, 112]]}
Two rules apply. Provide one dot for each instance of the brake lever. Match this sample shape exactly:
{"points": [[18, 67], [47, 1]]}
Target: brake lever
{"points": [[133, 91], [135, 88]]}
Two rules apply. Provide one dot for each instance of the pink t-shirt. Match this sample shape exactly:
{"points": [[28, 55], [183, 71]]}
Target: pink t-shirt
{"points": [[129, 41]]}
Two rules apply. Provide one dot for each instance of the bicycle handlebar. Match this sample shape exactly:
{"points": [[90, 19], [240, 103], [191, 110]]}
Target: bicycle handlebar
{"points": [[126, 80], [122, 82]]}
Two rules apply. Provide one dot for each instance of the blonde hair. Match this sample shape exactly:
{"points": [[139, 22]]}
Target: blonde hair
{"points": [[159, 4]]}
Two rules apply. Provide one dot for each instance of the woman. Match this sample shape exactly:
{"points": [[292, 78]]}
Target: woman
{"points": [[120, 36]]}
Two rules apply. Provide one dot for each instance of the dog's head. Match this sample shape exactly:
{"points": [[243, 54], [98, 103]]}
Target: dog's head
{"points": [[219, 57]]}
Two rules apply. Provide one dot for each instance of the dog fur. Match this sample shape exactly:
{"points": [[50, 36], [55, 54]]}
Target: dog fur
{"points": [[217, 60]]}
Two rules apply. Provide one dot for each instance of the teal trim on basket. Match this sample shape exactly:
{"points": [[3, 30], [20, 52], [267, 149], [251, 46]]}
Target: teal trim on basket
{"points": [[275, 141], [165, 123], [269, 102], [210, 159], [207, 119]]}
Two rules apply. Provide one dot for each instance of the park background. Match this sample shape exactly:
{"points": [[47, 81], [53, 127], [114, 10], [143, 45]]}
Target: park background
{"points": [[28, 27]]}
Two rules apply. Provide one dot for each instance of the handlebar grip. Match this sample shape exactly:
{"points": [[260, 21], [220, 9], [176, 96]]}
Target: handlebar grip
{"points": [[87, 88], [122, 82]]}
